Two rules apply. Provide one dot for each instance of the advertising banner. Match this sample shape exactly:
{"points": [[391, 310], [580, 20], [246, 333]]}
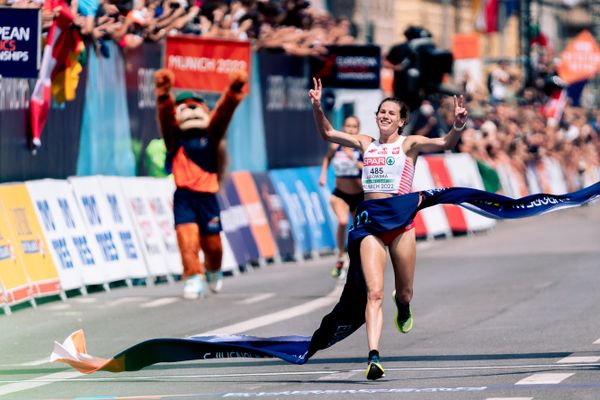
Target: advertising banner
{"points": [[283, 182], [232, 220], [20, 30], [205, 64], [259, 224], [464, 173], [136, 192], [30, 246], [581, 59], [77, 257], [160, 196], [430, 222], [120, 252], [237, 211], [15, 284], [325, 195], [291, 137], [349, 67], [315, 208], [441, 178], [276, 214]]}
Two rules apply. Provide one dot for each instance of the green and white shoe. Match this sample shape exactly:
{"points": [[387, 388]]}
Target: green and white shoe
{"points": [[404, 324]]}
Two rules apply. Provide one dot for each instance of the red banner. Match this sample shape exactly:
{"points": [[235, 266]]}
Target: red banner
{"points": [[205, 64]]}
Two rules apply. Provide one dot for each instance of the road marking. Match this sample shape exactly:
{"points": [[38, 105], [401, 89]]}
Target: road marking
{"points": [[34, 363], [257, 298], [85, 300], [544, 379], [597, 341], [37, 382], [580, 359], [509, 398], [278, 316], [58, 307], [160, 302], [124, 300], [338, 376]]}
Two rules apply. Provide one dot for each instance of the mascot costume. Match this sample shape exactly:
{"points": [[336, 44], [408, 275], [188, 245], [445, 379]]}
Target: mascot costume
{"points": [[194, 138]]}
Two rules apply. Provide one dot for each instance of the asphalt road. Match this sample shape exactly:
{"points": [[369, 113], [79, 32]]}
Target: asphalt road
{"points": [[510, 314]]}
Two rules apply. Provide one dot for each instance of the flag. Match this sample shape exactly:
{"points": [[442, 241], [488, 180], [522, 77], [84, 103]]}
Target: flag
{"points": [[554, 107], [486, 15], [59, 67]]}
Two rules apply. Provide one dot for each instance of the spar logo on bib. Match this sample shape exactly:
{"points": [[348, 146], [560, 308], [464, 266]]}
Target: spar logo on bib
{"points": [[374, 161], [390, 161]]}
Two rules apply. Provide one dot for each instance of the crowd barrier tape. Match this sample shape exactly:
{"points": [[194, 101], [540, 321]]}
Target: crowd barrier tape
{"points": [[15, 283], [64, 229], [120, 253], [430, 222], [136, 193], [281, 227], [463, 171], [29, 244]]}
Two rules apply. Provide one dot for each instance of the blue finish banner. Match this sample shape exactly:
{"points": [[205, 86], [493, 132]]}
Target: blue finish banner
{"points": [[20, 30], [348, 314]]}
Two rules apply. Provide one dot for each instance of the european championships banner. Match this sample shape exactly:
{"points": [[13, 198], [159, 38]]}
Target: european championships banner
{"points": [[20, 30], [205, 64]]}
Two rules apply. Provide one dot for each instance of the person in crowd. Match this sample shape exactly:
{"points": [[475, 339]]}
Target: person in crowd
{"points": [[347, 164], [388, 170]]}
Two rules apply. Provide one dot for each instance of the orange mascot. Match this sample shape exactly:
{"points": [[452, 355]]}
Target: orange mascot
{"points": [[194, 138]]}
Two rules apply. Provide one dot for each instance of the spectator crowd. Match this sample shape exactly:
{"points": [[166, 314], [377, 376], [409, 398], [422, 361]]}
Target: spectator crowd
{"points": [[509, 129]]}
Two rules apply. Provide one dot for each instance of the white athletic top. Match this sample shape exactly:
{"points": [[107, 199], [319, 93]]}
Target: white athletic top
{"points": [[345, 165], [387, 169]]}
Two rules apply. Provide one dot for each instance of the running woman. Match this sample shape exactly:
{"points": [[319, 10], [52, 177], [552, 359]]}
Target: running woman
{"points": [[347, 164], [388, 172]]}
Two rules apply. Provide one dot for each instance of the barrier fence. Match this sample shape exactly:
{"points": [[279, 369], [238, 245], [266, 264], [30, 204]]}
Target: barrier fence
{"points": [[66, 235]]}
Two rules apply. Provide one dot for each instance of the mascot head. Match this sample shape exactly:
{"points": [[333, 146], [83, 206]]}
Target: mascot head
{"points": [[191, 112]]}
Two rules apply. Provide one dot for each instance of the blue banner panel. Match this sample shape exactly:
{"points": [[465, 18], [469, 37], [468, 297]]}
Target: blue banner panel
{"points": [[325, 196], [349, 67], [142, 63], [283, 181], [20, 30], [241, 218], [232, 232], [315, 209], [105, 147], [291, 137], [278, 218]]}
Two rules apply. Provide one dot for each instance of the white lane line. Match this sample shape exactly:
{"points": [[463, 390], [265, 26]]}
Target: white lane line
{"points": [[160, 302], [256, 299], [597, 341], [58, 307], [37, 382], [544, 379], [579, 359], [338, 376], [34, 363], [509, 398], [278, 316], [125, 300]]}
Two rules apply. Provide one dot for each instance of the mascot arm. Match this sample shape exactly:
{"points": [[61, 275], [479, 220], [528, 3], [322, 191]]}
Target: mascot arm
{"points": [[223, 111], [165, 105]]}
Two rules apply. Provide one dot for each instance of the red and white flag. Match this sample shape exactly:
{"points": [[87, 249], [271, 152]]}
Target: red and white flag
{"points": [[62, 42], [554, 107]]}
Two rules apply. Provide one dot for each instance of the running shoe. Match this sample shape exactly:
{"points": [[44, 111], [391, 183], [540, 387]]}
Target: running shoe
{"points": [[215, 281], [404, 323], [194, 287], [338, 270], [374, 369]]}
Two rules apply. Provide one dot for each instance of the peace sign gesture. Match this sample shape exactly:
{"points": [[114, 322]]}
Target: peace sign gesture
{"points": [[316, 92], [460, 112]]}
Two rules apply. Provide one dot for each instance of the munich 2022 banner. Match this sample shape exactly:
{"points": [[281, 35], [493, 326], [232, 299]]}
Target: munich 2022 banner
{"points": [[349, 67], [205, 64], [19, 42]]}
